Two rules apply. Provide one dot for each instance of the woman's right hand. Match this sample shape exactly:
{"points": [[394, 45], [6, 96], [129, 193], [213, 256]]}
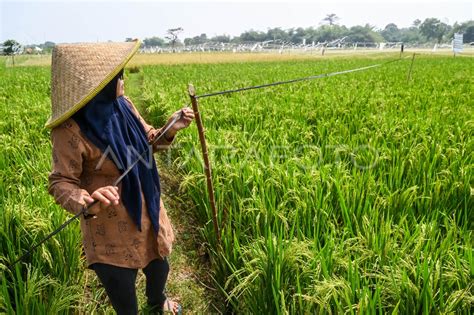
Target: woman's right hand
{"points": [[106, 196]]}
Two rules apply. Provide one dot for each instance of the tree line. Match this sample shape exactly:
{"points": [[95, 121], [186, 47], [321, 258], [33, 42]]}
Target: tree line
{"points": [[431, 30]]}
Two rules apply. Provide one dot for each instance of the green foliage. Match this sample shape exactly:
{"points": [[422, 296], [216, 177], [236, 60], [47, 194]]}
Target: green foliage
{"points": [[391, 33], [252, 36], [469, 34], [154, 41], [430, 29], [47, 281], [350, 194], [10, 47], [196, 40], [277, 34], [364, 34], [466, 28], [434, 29]]}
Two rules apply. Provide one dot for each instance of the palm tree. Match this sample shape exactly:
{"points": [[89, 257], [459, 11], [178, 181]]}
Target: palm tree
{"points": [[331, 18]]}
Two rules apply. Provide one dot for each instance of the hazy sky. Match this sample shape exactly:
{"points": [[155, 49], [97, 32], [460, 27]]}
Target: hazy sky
{"points": [[75, 21]]}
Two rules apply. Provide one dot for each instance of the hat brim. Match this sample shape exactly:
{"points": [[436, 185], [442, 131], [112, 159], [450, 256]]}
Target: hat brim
{"points": [[51, 123]]}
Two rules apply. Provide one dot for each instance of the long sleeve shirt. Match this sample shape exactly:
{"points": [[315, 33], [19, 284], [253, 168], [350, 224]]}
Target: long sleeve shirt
{"points": [[78, 169]]}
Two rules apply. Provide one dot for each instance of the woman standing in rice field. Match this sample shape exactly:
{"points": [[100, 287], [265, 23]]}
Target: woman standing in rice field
{"points": [[96, 134]]}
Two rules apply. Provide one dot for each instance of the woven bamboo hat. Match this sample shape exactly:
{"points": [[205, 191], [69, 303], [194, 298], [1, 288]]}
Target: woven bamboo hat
{"points": [[80, 71]]}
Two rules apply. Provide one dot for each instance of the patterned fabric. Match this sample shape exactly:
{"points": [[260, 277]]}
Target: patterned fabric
{"points": [[78, 169]]}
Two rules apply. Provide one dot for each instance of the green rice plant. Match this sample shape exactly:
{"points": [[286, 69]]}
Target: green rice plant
{"points": [[364, 180], [49, 281], [351, 194]]}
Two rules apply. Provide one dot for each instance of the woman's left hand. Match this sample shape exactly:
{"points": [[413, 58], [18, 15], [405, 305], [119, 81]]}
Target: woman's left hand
{"points": [[187, 116]]}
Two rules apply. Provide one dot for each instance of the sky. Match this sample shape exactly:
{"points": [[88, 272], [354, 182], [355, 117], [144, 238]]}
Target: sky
{"points": [[34, 22]]}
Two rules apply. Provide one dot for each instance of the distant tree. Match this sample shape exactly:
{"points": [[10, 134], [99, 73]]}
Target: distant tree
{"points": [[277, 34], [196, 40], [469, 34], [298, 35], [154, 42], [327, 33], [434, 29], [466, 28], [253, 36], [411, 35], [416, 23], [331, 19], [364, 34], [391, 33], [10, 48], [203, 38], [47, 46], [221, 39], [173, 35]]}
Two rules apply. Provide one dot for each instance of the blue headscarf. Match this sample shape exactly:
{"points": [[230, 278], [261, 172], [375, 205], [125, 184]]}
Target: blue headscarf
{"points": [[109, 123]]}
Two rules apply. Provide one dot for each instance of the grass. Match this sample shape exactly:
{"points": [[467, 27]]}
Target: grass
{"points": [[54, 279], [351, 194], [47, 281]]}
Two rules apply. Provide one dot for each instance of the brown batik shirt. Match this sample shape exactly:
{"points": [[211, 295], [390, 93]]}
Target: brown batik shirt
{"points": [[79, 168]]}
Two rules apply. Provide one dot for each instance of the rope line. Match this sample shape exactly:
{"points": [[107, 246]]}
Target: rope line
{"points": [[319, 76], [84, 209]]}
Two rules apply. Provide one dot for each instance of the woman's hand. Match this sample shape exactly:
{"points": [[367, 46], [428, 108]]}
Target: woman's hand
{"points": [[187, 116], [106, 196]]}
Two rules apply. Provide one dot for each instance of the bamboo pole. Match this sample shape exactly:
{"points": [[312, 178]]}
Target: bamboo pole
{"points": [[205, 155]]}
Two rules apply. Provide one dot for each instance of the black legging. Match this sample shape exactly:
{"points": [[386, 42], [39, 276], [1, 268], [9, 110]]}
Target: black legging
{"points": [[119, 284]]}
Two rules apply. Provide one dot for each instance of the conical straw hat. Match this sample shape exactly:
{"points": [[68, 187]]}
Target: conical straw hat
{"points": [[80, 71]]}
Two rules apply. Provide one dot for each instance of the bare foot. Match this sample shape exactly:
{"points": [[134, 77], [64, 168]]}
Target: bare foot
{"points": [[171, 306]]}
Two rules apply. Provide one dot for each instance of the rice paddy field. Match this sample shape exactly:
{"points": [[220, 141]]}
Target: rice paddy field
{"points": [[352, 194]]}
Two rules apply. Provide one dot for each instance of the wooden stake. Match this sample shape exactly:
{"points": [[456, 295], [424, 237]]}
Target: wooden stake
{"points": [[205, 155]]}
